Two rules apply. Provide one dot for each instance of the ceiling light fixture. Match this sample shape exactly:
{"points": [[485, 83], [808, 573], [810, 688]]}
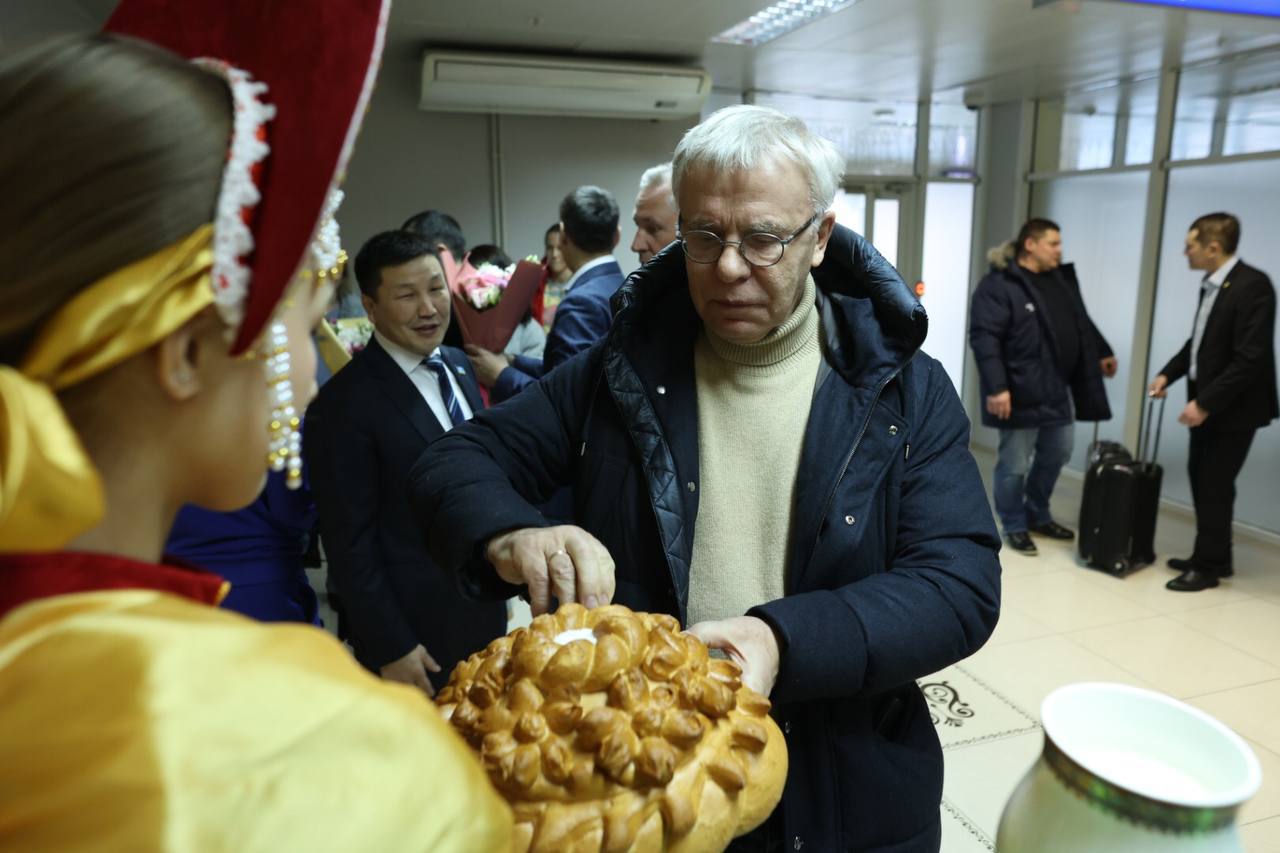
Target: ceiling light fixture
{"points": [[779, 19]]}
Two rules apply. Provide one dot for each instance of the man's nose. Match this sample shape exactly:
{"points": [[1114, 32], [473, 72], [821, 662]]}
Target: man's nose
{"points": [[427, 307], [732, 266], [638, 244]]}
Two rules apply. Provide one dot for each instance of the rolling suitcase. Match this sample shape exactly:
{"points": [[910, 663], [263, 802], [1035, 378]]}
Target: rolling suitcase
{"points": [[1120, 502]]}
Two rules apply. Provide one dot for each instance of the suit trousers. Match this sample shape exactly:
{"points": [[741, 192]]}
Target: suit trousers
{"points": [[1215, 459]]}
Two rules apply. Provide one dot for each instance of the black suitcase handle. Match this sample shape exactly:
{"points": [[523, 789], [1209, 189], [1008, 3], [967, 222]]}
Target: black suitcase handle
{"points": [[1145, 444]]}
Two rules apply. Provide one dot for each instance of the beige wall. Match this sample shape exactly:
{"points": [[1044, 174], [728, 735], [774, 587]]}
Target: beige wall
{"points": [[407, 160]]}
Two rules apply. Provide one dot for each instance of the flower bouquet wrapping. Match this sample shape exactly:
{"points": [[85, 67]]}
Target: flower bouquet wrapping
{"points": [[489, 302], [338, 341]]}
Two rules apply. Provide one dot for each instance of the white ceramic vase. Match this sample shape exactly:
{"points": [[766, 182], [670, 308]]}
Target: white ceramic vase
{"points": [[1125, 769]]}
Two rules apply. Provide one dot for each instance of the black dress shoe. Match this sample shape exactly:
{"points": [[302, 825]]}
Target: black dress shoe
{"points": [[1192, 580], [1053, 530], [1021, 543], [1186, 565]]}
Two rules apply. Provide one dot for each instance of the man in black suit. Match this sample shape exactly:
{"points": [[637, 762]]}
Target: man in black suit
{"points": [[363, 433], [1230, 365]]}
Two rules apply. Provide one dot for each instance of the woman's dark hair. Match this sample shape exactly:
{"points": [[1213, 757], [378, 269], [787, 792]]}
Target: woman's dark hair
{"points": [[487, 253], [113, 149]]}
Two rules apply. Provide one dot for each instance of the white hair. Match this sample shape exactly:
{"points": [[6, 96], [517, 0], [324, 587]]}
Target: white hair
{"points": [[747, 137], [655, 176]]}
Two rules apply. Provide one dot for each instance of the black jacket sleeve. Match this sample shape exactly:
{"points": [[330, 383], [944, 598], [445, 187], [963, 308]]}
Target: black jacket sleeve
{"points": [[988, 327], [485, 477]]}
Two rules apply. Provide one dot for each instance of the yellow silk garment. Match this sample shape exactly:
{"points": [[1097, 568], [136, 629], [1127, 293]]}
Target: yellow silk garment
{"points": [[135, 720]]}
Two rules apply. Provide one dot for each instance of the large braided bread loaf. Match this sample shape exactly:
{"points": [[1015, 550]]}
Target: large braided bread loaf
{"points": [[610, 730]]}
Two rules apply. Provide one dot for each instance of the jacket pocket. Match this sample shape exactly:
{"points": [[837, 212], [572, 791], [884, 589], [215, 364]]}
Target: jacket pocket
{"points": [[1026, 383]]}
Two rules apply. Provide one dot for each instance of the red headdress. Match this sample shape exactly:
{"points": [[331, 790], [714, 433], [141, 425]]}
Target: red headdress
{"points": [[301, 73]]}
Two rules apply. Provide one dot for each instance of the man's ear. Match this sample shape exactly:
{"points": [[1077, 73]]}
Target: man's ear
{"points": [[368, 304], [177, 359], [826, 225]]}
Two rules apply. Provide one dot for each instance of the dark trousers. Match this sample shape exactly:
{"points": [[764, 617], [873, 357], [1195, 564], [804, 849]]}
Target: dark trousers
{"points": [[1216, 457]]}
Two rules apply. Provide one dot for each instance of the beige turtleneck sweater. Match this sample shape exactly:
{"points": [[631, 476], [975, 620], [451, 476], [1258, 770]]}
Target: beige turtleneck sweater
{"points": [[753, 405]]}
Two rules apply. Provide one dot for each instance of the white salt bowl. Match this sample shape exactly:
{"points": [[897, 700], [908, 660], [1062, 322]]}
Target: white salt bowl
{"points": [[1126, 769]]}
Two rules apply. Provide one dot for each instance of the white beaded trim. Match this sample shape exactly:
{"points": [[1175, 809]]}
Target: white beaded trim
{"points": [[232, 237], [327, 245]]}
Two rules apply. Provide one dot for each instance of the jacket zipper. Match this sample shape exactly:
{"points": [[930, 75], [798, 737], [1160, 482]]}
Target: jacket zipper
{"points": [[852, 450]]}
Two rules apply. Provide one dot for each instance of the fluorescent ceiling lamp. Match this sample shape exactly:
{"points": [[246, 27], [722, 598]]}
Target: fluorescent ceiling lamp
{"points": [[1267, 8], [779, 19]]}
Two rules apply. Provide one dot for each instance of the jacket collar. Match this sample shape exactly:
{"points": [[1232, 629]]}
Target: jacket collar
{"points": [[25, 578], [872, 321], [594, 268]]}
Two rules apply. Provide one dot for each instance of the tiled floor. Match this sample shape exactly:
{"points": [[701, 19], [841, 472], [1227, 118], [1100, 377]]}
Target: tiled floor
{"points": [[1060, 623]]}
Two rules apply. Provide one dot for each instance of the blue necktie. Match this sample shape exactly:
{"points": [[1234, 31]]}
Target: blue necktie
{"points": [[441, 370]]}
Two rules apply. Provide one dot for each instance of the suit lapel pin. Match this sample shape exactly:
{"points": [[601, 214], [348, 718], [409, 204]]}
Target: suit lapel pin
{"points": [[461, 372], [1226, 284], [1031, 307]]}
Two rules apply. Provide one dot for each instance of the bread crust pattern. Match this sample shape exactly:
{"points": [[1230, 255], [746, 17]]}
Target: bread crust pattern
{"points": [[611, 730]]}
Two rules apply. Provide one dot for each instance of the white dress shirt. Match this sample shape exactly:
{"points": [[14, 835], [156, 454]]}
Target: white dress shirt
{"points": [[591, 264], [1212, 286], [424, 379]]}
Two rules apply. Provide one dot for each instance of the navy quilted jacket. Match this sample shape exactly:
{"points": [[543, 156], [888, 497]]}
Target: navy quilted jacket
{"points": [[894, 573], [1012, 342]]}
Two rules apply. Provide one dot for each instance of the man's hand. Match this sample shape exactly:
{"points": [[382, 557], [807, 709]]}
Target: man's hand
{"points": [[1109, 366], [1000, 405], [1158, 387], [750, 643], [1192, 415], [566, 562], [412, 669], [488, 365]]}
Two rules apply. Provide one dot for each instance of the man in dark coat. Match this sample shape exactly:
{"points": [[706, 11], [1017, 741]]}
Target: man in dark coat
{"points": [[760, 449], [404, 617], [588, 235], [1230, 365], [1041, 361]]}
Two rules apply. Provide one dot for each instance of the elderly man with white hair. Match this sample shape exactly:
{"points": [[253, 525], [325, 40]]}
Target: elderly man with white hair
{"points": [[760, 449], [654, 213]]}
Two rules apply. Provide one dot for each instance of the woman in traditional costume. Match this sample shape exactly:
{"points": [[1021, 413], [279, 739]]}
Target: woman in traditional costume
{"points": [[154, 351]]}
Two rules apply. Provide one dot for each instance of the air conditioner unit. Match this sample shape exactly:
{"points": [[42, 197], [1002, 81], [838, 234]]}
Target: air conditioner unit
{"points": [[536, 85]]}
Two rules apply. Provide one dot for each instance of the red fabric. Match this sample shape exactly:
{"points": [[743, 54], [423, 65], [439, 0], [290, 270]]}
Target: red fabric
{"points": [[29, 577], [317, 59], [537, 305]]}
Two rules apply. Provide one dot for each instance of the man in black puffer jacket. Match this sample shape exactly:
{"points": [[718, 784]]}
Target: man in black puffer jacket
{"points": [[1040, 362], [760, 449]]}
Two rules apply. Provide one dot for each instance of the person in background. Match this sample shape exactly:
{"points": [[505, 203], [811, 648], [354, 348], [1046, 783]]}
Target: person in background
{"points": [[1230, 365], [258, 549], [404, 618], [159, 358], [1041, 362], [529, 339], [589, 228], [558, 274], [445, 235], [654, 213]]}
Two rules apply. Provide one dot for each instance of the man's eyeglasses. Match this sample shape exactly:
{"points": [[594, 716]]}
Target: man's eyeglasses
{"points": [[760, 249]]}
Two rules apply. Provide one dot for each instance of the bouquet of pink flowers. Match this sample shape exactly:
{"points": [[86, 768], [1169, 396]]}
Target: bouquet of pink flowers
{"points": [[489, 301], [483, 288]]}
